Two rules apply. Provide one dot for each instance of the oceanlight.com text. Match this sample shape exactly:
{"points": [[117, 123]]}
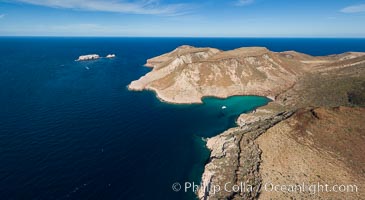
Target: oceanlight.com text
{"points": [[314, 188]]}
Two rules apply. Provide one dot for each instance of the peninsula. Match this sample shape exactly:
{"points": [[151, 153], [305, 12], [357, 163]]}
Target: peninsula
{"points": [[187, 74], [312, 132]]}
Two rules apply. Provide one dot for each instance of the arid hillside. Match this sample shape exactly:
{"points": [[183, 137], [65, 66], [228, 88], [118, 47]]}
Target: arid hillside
{"points": [[187, 74], [313, 132]]}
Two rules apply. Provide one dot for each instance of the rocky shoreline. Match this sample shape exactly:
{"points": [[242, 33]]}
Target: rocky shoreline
{"points": [[230, 152], [316, 117], [269, 134]]}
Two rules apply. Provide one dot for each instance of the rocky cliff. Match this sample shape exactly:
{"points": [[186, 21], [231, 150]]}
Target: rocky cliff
{"points": [[313, 132], [187, 74]]}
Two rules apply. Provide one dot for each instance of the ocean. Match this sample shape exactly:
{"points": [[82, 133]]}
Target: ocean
{"points": [[72, 130]]}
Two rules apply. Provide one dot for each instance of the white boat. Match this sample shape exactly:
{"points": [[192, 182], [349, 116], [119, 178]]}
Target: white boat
{"points": [[88, 57], [224, 107]]}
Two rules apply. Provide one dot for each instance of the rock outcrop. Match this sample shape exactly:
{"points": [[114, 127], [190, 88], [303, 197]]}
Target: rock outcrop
{"points": [[235, 160]]}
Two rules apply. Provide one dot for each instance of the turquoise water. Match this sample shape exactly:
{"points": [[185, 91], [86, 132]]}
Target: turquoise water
{"points": [[71, 130], [234, 106], [209, 118]]}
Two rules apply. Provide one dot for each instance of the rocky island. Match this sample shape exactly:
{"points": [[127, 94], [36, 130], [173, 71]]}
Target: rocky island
{"points": [[88, 57], [313, 132], [110, 56], [93, 57]]}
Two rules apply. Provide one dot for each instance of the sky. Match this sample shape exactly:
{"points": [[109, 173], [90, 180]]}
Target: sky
{"points": [[183, 18]]}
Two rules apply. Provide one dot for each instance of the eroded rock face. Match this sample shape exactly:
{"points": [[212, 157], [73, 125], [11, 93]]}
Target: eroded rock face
{"points": [[187, 74], [235, 160], [308, 146]]}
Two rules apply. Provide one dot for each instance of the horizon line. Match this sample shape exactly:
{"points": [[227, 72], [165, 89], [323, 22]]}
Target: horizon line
{"points": [[200, 37]]}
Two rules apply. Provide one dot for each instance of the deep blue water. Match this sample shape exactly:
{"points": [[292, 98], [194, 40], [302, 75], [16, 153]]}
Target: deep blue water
{"points": [[68, 132]]}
